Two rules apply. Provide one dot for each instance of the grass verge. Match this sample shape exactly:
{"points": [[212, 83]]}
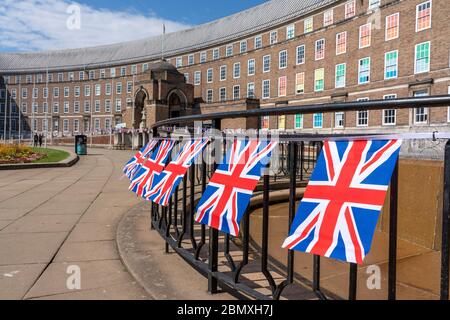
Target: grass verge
{"points": [[52, 155]]}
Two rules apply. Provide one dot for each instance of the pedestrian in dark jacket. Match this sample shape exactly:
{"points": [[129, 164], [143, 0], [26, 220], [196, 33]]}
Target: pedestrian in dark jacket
{"points": [[35, 140], [40, 140]]}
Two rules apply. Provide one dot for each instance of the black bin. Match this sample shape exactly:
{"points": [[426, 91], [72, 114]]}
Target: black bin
{"points": [[81, 145]]}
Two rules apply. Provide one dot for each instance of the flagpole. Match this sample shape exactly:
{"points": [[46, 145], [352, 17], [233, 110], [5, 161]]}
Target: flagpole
{"points": [[6, 108], [10, 119], [162, 41], [46, 103], [33, 116], [20, 114]]}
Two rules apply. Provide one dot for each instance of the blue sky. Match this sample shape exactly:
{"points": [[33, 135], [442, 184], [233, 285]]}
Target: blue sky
{"points": [[190, 12], [36, 25]]}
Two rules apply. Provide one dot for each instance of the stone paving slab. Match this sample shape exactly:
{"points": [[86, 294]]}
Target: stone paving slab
{"points": [[41, 224], [94, 275], [15, 280], [27, 248], [87, 251]]}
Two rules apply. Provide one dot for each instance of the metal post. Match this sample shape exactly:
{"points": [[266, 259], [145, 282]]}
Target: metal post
{"points": [[213, 241], [353, 281], [445, 258], [392, 276]]}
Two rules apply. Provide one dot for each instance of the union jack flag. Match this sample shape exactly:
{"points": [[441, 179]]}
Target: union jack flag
{"points": [[139, 158], [230, 188], [338, 214], [166, 183], [143, 179]]}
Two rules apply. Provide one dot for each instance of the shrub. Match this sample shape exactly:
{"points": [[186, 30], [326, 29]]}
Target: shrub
{"points": [[16, 153]]}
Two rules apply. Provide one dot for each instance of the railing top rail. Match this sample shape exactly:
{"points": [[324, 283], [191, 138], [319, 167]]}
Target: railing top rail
{"points": [[403, 103]]}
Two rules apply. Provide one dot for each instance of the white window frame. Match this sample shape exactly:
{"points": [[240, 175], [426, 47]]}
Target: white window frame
{"points": [[345, 76], [285, 52], [222, 90], [223, 75], [385, 65], [191, 59], [229, 50], [336, 125], [216, 54], [415, 57], [347, 4], [197, 78], [210, 75], [251, 72], [253, 95], [326, 15], [306, 23], [370, 36], [273, 37], [359, 70], [236, 97], [263, 86], [426, 109], [258, 40], [270, 62], [386, 26], [337, 44], [279, 86], [417, 15], [314, 121], [236, 70], [297, 54], [243, 46], [301, 123], [290, 29], [208, 92], [316, 49]]}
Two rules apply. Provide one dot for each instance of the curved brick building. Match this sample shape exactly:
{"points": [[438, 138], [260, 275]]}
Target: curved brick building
{"points": [[279, 53]]}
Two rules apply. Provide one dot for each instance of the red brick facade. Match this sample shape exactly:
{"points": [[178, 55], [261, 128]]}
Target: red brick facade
{"points": [[435, 81]]}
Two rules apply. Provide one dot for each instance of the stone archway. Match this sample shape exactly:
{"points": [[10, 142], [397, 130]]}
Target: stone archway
{"points": [[177, 103], [139, 104]]}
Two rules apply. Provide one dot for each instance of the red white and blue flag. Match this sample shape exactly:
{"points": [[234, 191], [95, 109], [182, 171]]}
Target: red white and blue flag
{"points": [[139, 158], [228, 194], [154, 165], [338, 214], [165, 184]]}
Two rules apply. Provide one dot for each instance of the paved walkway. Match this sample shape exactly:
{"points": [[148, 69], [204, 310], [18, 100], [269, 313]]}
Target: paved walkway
{"points": [[51, 219]]}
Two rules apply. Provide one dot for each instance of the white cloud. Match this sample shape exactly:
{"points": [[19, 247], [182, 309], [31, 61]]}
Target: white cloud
{"points": [[32, 25]]}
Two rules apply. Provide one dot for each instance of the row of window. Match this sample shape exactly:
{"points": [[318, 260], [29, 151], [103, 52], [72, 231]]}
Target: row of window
{"points": [[77, 105], [422, 64], [75, 125], [423, 22], [389, 116], [77, 91]]}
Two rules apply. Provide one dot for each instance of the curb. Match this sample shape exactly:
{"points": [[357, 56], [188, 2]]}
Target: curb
{"points": [[164, 276], [70, 161]]}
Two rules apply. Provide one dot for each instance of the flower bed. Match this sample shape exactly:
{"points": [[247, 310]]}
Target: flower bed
{"points": [[14, 153]]}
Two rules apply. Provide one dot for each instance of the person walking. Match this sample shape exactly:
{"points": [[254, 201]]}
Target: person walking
{"points": [[40, 140], [35, 139]]}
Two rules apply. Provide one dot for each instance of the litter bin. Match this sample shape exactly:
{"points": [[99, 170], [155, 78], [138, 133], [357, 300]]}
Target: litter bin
{"points": [[81, 145]]}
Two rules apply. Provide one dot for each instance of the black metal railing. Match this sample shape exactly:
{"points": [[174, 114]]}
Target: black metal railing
{"points": [[223, 259]]}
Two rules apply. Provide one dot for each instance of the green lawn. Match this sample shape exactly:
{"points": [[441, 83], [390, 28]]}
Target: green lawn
{"points": [[52, 155]]}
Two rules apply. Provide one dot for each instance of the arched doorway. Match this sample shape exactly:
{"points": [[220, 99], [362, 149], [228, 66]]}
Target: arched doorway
{"points": [[177, 102], [139, 103]]}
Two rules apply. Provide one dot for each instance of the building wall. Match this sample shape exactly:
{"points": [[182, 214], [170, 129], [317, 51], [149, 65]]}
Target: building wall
{"points": [[435, 82]]}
